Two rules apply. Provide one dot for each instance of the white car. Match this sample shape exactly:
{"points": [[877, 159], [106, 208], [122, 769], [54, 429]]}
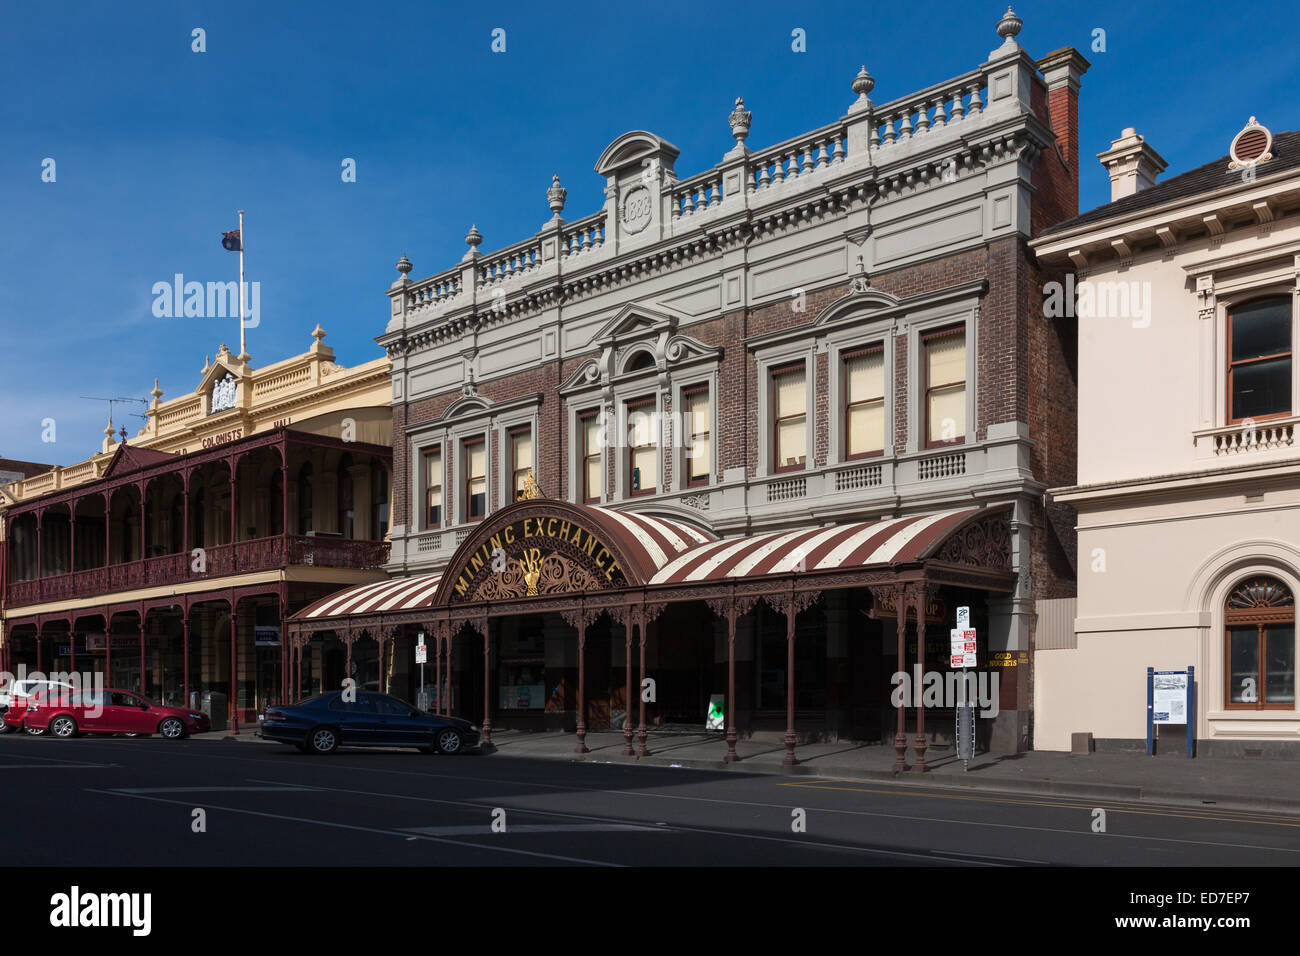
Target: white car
{"points": [[15, 697]]}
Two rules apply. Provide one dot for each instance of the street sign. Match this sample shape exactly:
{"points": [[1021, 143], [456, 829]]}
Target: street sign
{"points": [[963, 618], [421, 653], [962, 643]]}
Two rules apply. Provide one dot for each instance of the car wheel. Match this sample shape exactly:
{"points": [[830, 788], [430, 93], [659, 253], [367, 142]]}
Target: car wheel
{"points": [[323, 740], [448, 741], [172, 729], [63, 727], [36, 731], [4, 727]]}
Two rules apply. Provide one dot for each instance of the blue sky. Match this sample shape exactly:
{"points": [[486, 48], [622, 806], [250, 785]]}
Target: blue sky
{"points": [[156, 146]]}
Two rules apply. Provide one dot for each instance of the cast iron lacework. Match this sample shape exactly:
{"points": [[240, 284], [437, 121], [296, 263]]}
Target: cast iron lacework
{"points": [[1261, 593]]}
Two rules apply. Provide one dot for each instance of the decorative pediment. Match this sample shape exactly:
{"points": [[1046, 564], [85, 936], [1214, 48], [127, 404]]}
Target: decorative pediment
{"points": [[636, 149], [634, 322], [470, 401], [129, 458], [861, 299], [586, 375]]}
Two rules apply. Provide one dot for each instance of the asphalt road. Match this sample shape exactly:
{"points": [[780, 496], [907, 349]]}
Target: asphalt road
{"points": [[116, 801]]}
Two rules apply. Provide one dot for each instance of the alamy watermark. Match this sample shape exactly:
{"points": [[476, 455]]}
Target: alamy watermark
{"points": [[213, 300], [944, 689]]}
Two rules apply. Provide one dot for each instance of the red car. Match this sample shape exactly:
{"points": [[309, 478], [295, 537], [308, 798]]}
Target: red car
{"points": [[110, 711]]}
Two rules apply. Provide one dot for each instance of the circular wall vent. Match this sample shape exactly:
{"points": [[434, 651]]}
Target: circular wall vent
{"points": [[1251, 145]]}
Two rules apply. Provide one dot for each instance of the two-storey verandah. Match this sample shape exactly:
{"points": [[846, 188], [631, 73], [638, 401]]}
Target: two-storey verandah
{"points": [[172, 572], [607, 574]]}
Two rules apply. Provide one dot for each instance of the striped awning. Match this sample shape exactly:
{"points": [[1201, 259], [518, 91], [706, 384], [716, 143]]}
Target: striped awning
{"points": [[841, 546], [379, 597], [673, 552]]}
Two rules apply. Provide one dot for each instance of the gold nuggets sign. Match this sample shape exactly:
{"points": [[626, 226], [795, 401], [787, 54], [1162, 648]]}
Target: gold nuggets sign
{"points": [[532, 556]]}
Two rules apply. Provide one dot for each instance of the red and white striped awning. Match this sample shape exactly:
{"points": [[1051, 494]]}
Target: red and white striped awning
{"points": [[891, 541], [673, 552], [379, 597]]}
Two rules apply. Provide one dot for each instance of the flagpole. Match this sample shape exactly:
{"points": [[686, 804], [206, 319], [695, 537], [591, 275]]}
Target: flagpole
{"points": [[243, 352]]}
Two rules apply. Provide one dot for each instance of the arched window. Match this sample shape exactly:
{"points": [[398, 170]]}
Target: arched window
{"points": [[639, 362], [304, 498], [1259, 650], [346, 513]]}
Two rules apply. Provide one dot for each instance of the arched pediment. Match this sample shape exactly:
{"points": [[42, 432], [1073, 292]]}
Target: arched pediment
{"points": [[632, 148], [865, 302]]}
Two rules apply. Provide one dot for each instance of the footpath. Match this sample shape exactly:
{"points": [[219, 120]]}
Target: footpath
{"points": [[1237, 783]]}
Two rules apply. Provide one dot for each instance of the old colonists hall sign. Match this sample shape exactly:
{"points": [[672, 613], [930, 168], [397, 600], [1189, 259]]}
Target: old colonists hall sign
{"points": [[535, 555]]}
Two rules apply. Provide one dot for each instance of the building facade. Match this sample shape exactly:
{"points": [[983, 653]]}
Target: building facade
{"points": [[770, 410], [1188, 495], [170, 560]]}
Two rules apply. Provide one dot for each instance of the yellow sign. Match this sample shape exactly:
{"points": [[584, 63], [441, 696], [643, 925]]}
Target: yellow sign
{"points": [[528, 530]]}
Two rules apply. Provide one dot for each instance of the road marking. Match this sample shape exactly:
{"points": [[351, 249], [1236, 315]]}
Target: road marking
{"points": [[485, 829], [1186, 813], [349, 826], [679, 827], [206, 789], [62, 766]]}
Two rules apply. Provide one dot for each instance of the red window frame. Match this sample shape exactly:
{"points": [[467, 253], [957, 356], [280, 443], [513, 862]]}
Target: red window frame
{"points": [[586, 456], [466, 447], [927, 339], [845, 357], [630, 406], [425, 455], [688, 393], [773, 374]]}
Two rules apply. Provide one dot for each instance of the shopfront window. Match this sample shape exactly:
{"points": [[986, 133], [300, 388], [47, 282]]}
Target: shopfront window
{"points": [[1260, 646]]}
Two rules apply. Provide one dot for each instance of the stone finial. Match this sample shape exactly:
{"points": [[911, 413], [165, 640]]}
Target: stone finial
{"points": [[740, 118], [1010, 24], [556, 195], [403, 266], [473, 237], [157, 392], [863, 83], [224, 350], [207, 364], [108, 431]]}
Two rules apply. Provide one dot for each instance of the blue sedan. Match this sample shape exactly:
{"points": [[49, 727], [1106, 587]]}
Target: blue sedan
{"points": [[364, 719]]}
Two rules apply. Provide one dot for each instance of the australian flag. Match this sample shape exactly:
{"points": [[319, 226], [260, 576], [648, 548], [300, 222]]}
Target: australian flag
{"points": [[231, 241]]}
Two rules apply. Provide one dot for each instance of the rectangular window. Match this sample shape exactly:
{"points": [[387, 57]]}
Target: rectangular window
{"points": [[589, 428], [864, 402], [643, 450], [433, 488], [475, 454], [696, 424], [789, 418], [945, 387], [1259, 359], [521, 458]]}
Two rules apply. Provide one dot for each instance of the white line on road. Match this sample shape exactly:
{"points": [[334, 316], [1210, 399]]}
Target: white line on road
{"points": [[349, 826], [206, 789], [484, 829]]}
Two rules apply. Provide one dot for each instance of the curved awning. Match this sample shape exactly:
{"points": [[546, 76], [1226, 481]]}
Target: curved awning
{"points": [[625, 552], [391, 596], [890, 541]]}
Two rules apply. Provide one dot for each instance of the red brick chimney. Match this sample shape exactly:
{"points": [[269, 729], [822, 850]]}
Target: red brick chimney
{"points": [[1062, 70]]}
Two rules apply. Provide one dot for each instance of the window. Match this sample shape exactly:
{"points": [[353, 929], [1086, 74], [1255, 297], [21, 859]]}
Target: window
{"points": [[643, 450], [1260, 646], [475, 453], [789, 418], [589, 426], [699, 448], [521, 458], [433, 488], [640, 362], [1259, 359], [864, 402], [945, 387]]}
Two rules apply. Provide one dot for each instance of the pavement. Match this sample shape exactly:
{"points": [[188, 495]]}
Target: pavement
{"points": [[1229, 783]]}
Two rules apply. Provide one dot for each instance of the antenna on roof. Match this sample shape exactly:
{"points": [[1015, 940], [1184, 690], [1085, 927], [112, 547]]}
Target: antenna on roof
{"points": [[115, 401]]}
